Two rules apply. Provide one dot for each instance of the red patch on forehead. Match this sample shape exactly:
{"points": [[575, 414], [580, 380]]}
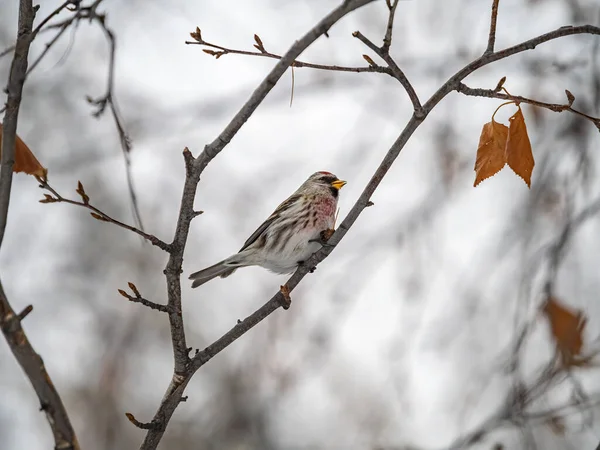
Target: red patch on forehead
{"points": [[325, 172]]}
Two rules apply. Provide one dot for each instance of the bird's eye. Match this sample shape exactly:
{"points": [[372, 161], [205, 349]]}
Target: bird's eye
{"points": [[327, 179]]}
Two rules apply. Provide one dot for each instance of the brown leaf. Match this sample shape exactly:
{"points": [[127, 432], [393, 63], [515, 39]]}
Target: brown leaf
{"points": [[123, 293], [490, 153], [519, 156], [567, 330], [25, 161]]}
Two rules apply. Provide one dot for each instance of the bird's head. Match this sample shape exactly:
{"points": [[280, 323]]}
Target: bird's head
{"points": [[326, 180]]}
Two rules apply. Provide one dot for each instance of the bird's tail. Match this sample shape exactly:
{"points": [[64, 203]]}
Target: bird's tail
{"points": [[222, 269]]}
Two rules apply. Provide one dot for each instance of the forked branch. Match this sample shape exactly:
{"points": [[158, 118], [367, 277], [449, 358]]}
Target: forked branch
{"points": [[10, 322], [181, 378]]}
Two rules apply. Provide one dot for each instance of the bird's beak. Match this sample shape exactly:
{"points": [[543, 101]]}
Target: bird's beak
{"points": [[338, 184]]}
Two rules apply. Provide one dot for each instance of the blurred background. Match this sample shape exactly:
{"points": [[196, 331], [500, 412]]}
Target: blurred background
{"points": [[404, 338]]}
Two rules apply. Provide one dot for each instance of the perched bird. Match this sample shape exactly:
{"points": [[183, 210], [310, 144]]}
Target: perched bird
{"points": [[290, 235]]}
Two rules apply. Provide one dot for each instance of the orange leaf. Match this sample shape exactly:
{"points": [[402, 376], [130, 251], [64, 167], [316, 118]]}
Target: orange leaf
{"points": [[490, 153], [519, 156], [25, 161], [567, 330]]}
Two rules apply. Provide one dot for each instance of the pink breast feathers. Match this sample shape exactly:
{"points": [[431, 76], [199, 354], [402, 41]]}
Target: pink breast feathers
{"points": [[325, 206]]}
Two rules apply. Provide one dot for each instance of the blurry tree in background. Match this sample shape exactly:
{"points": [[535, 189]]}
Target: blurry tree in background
{"points": [[449, 317]]}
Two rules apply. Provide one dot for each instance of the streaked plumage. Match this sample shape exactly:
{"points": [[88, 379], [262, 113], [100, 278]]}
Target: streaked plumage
{"points": [[285, 239]]}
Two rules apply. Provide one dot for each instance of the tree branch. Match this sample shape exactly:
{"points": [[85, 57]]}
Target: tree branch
{"points": [[264, 53], [492, 34], [97, 213], [387, 40], [397, 73], [556, 107], [16, 80], [137, 298], [10, 323], [33, 366]]}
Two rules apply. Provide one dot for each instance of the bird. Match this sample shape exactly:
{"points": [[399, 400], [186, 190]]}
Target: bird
{"points": [[291, 234]]}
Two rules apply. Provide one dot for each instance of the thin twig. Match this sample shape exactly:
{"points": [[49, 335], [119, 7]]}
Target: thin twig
{"points": [[397, 73], [37, 29], [137, 298], [100, 215], [387, 40], [492, 34], [556, 107], [10, 323], [301, 64], [109, 99]]}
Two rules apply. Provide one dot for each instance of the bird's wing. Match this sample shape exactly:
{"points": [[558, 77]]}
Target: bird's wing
{"points": [[276, 214]]}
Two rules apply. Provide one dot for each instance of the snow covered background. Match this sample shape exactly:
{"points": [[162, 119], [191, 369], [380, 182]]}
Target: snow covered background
{"points": [[400, 338]]}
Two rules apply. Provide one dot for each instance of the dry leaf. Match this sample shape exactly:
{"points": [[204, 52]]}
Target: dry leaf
{"points": [[25, 161], [490, 153], [567, 330], [519, 156]]}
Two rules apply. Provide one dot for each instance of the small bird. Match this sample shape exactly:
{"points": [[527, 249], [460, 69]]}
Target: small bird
{"points": [[290, 235]]}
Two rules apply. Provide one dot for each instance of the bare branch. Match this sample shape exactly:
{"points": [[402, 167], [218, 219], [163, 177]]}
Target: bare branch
{"points": [[387, 40], [98, 214], [556, 107], [16, 80], [137, 298], [108, 99], [225, 51], [10, 323], [397, 73], [33, 366], [492, 34], [37, 29]]}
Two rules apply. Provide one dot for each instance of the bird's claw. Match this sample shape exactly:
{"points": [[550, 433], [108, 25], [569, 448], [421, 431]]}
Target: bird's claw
{"points": [[286, 300], [324, 236], [311, 270]]}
